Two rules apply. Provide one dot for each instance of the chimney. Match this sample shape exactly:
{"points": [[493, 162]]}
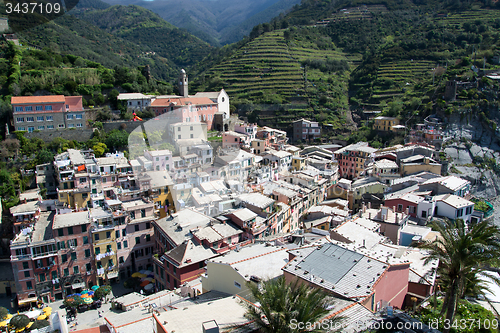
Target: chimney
{"points": [[369, 215], [364, 208], [397, 218], [407, 210], [369, 205]]}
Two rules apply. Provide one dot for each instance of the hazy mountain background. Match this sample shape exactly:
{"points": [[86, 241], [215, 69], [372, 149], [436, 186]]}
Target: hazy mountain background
{"points": [[217, 22]]}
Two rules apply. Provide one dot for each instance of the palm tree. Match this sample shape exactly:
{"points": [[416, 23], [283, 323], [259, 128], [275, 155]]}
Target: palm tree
{"points": [[281, 304], [464, 252]]}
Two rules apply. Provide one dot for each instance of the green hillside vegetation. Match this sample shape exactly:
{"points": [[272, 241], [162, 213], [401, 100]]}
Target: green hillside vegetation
{"points": [[284, 75], [143, 27], [326, 60], [119, 36]]}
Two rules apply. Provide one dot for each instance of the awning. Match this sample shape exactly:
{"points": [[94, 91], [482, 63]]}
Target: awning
{"points": [[112, 275], [78, 285], [27, 300]]}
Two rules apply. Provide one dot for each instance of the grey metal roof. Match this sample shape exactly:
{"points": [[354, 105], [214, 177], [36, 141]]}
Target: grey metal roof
{"points": [[334, 267], [344, 259]]}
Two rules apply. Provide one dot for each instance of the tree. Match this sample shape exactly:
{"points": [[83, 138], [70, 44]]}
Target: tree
{"points": [[102, 292], [19, 321], [72, 302], [464, 253], [132, 283], [3, 313], [281, 303], [117, 139], [99, 149]]}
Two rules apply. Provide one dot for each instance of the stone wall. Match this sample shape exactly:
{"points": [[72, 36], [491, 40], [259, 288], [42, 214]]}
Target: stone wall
{"points": [[68, 134], [126, 125]]}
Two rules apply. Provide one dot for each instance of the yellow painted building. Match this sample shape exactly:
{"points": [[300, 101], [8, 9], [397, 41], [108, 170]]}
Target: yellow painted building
{"points": [[104, 246], [298, 163], [385, 124], [163, 200], [74, 198], [410, 166]]}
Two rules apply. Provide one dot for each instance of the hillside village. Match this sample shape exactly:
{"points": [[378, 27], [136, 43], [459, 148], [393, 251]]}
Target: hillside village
{"points": [[203, 220]]}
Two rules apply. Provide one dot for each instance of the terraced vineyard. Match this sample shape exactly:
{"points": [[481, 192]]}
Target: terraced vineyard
{"points": [[457, 19], [393, 78], [270, 70]]}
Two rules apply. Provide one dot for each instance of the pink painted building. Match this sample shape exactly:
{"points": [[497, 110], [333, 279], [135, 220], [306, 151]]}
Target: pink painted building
{"points": [[187, 109], [407, 203], [235, 140], [161, 159]]}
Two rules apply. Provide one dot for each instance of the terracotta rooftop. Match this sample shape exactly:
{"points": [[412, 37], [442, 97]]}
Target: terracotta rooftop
{"points": [[37, 99]]}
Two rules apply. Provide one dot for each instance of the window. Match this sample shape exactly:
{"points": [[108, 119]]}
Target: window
{"points": [[121, 261], [38, 108], [71, 126], [400, 207], [108, 234], [26, 273], [21, 128], [87, 253], [72, 243], [48, 107], [79, 116], [148, 238], [191, 136], [84, 228], [108, 248], [50, 126], [125, 244], [132, 215], [26, 265], [64, 258], [460, 212], [49, 118], [69, 116], [76, 270], [41, 128], [117, 234], [136, 227], [61, 126], [29, 285], [138, 240], [178, 136], [70, 230], [54, 275], [85, 239], [96, 237], [73, 255], [66, 272], [39, 118], [148, 225], [468, 210], [88, 267], [79, 125], [119, 245], [178, 129], [60, 232], [30, 119], [97, 250], [19, 108], [124, 232], [20, 120]]}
